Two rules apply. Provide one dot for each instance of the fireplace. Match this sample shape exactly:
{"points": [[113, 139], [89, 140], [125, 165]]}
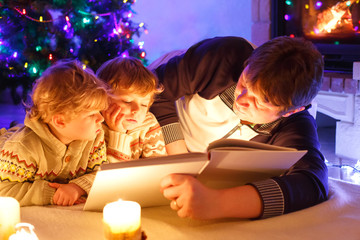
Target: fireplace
{"points": [[332, 25]]}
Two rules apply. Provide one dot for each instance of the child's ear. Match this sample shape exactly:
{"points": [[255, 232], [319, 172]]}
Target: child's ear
{"points": [[293, 111], [58, 120]]}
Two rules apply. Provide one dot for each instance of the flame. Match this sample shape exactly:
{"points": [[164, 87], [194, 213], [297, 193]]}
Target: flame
{"points": [[334, 17]]}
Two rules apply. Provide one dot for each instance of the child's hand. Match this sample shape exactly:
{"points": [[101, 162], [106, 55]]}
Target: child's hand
{"points": [[114, 118], [67, 194]]}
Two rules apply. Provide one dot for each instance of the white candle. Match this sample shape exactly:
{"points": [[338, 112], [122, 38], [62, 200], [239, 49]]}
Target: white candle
{"points": [[122, 220], [9, 216]]}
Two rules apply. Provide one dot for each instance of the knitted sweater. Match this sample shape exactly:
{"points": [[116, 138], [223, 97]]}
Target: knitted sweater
{"points": [[143, 141], [31, 157]]}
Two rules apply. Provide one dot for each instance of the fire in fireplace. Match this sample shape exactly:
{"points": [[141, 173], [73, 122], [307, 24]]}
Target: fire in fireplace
{"points": [[333, 26]]}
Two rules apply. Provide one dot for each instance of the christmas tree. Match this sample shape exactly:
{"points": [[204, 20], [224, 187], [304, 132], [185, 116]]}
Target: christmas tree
{"points": [[35, 34]]}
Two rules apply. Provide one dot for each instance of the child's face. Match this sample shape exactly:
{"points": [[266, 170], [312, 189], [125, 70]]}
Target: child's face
{"points": [[250, 107], [83, 127], [133, 106]]}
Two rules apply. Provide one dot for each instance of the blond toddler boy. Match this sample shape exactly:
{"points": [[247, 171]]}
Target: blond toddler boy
{"points": [[53, 157]]}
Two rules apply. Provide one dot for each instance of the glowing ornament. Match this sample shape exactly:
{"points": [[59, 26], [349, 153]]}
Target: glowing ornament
{"points": [[24, 231]]}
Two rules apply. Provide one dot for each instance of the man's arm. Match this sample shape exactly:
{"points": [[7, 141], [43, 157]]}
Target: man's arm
{"points": [[176, 147], [190, 198]]}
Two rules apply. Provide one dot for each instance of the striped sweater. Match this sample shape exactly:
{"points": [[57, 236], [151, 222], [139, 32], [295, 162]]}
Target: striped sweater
{"points": [[31, 157], [142, 142]]}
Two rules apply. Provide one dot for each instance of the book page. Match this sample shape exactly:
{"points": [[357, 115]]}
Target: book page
{"points": [[229, 144], [236, 168]]}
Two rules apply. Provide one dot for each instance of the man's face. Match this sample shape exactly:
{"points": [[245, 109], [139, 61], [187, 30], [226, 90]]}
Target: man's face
{"points": [[249, 106]]}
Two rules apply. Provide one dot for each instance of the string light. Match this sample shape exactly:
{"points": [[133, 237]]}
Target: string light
{"points": [[350, 172], [318, 4], [86, 20]]}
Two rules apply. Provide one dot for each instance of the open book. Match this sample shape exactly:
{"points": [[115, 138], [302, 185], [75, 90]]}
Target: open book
{"points": [[227, 163]]}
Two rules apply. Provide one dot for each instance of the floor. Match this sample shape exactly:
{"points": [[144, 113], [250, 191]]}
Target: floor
{"points": [[345, 169]]}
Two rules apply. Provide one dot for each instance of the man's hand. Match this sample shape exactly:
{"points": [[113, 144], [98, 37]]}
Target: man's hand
{"points": [[190, 198]]}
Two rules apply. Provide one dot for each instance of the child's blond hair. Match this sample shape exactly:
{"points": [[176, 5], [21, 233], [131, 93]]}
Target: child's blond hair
{"points": [[66, 88], [131, 75]]}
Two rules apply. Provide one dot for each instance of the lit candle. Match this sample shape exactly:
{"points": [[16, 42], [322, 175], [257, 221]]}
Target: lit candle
{"points": [[122, 220], [9, 216]]}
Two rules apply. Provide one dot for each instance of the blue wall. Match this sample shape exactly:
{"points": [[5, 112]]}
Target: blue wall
{"points": [[177, 24]]}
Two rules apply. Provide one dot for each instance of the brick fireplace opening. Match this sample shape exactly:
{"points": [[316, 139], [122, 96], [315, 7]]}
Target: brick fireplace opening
{"points": [[339, 97]]}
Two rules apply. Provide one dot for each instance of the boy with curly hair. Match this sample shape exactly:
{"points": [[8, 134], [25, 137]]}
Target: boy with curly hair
{"points": [[53, 157]]}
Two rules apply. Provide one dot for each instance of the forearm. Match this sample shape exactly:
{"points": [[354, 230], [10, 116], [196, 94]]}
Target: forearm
{"points": [[176, 147], [85, 181], [238, 202], [28, 193], [118, 146]]}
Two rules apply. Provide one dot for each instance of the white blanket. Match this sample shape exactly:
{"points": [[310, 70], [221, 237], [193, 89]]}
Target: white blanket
{"points": [[337, 218]]}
